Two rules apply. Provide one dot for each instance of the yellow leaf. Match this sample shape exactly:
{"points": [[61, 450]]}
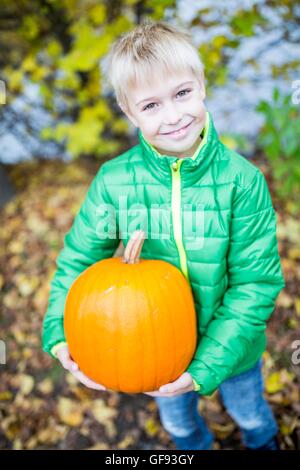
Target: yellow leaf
{"points": [[293, 323], [104, 414], [16, 247], [30, 27], [6, 395], [284, 300], [31, 443], [37, 225], [297, 306], [101, 411], [229, 141], [26, 285], [17, 444], [15, 80], [54, 49], [39, 73], [99, 446], [223, 430], [126, 442], [289, 229], [69, 411], [289, 423], [46, 386], [278, 380], [151, 427], [219, 41], [294, 253], [98, 14], [26, 383], [49, 435], [273, 383], [29, 63]]}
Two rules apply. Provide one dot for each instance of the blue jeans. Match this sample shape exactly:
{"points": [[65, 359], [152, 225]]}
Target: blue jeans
{"points": [[243, 398]]}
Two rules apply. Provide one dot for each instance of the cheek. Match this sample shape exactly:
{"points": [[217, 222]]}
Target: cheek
{"points": [[150, 126], [198, 108]]}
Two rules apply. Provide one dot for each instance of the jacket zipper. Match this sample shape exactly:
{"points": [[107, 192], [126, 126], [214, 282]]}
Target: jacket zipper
{"points": [[176, 214]]}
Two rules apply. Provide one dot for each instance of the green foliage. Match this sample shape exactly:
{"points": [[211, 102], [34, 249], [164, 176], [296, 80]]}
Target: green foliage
{"points": [[279, 140], [236, 142]]}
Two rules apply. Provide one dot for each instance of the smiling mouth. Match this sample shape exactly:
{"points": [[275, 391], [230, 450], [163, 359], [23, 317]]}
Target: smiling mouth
{"points": [[178, 130]]}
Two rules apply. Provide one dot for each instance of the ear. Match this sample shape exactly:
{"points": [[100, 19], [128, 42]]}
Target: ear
{"points": [[128, 114]]}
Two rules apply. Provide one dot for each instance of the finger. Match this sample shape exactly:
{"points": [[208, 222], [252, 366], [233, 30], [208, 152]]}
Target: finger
{"points": [[159, 394], [127, 251], [170, 388], [181, 383], [87, 381], [137, 247], [68, 364], [63, 355], [153, 394], [131, 248]]}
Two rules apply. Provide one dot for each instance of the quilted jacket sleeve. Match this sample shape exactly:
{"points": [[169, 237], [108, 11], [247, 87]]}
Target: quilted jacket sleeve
{"points": [[254, 281], [85, 244]]}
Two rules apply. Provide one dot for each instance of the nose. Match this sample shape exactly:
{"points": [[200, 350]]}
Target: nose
{"points": [[172, 115]]}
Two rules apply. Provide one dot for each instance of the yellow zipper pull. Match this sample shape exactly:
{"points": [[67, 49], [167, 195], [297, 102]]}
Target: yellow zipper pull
{"points": [[175, 165]]}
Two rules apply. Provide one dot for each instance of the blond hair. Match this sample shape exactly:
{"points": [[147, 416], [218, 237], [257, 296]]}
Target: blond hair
{"points": [[151, 48]]}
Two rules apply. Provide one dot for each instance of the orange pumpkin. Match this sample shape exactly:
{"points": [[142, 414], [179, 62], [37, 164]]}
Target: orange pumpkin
{"points": [[130, 323]]}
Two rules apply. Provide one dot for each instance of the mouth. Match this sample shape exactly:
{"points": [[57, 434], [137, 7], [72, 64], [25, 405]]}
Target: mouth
{"points": [[180, 131]]}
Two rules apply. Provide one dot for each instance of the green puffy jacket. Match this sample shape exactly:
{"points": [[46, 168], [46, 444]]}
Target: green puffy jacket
{"points": [[216, 223]]}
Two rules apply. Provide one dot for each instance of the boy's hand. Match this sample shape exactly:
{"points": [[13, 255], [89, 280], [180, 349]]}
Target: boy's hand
{"points": [[63, 355], [183, 384]]}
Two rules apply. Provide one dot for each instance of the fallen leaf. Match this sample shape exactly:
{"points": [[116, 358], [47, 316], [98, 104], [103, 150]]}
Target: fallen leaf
{"points": [[46, 386], [151, 427], [69, 411], [104, 415]]}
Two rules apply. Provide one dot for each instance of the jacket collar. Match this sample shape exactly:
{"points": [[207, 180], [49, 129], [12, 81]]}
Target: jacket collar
{"points": [[192, 168]]}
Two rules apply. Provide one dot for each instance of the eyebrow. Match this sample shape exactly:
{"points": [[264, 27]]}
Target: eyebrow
{"points": [[154, 97]]}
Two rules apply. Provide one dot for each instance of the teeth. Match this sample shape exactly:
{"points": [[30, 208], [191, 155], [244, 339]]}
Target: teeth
{"points": [[179, 130]]}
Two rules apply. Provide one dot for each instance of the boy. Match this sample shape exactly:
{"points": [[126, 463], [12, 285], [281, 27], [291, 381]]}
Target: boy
{"points": [[232, 263]]}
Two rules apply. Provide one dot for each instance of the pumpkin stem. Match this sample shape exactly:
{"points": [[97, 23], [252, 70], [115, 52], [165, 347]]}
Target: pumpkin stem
{"points": [[134, 247]]}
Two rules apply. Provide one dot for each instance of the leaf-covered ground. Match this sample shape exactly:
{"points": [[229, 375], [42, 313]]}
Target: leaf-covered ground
{"points": [[42, 406]]}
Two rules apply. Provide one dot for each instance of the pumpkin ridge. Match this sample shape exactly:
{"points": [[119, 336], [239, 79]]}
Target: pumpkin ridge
{"points": [[149, 302], [169, 310], [140, 333], [117, 329]]}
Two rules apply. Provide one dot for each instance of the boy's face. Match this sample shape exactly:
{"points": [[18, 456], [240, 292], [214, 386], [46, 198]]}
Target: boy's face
{"points": [[168, 105]]}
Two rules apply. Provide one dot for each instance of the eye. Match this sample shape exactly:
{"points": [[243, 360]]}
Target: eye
{"points": [[148, 107], [182, 91]]}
